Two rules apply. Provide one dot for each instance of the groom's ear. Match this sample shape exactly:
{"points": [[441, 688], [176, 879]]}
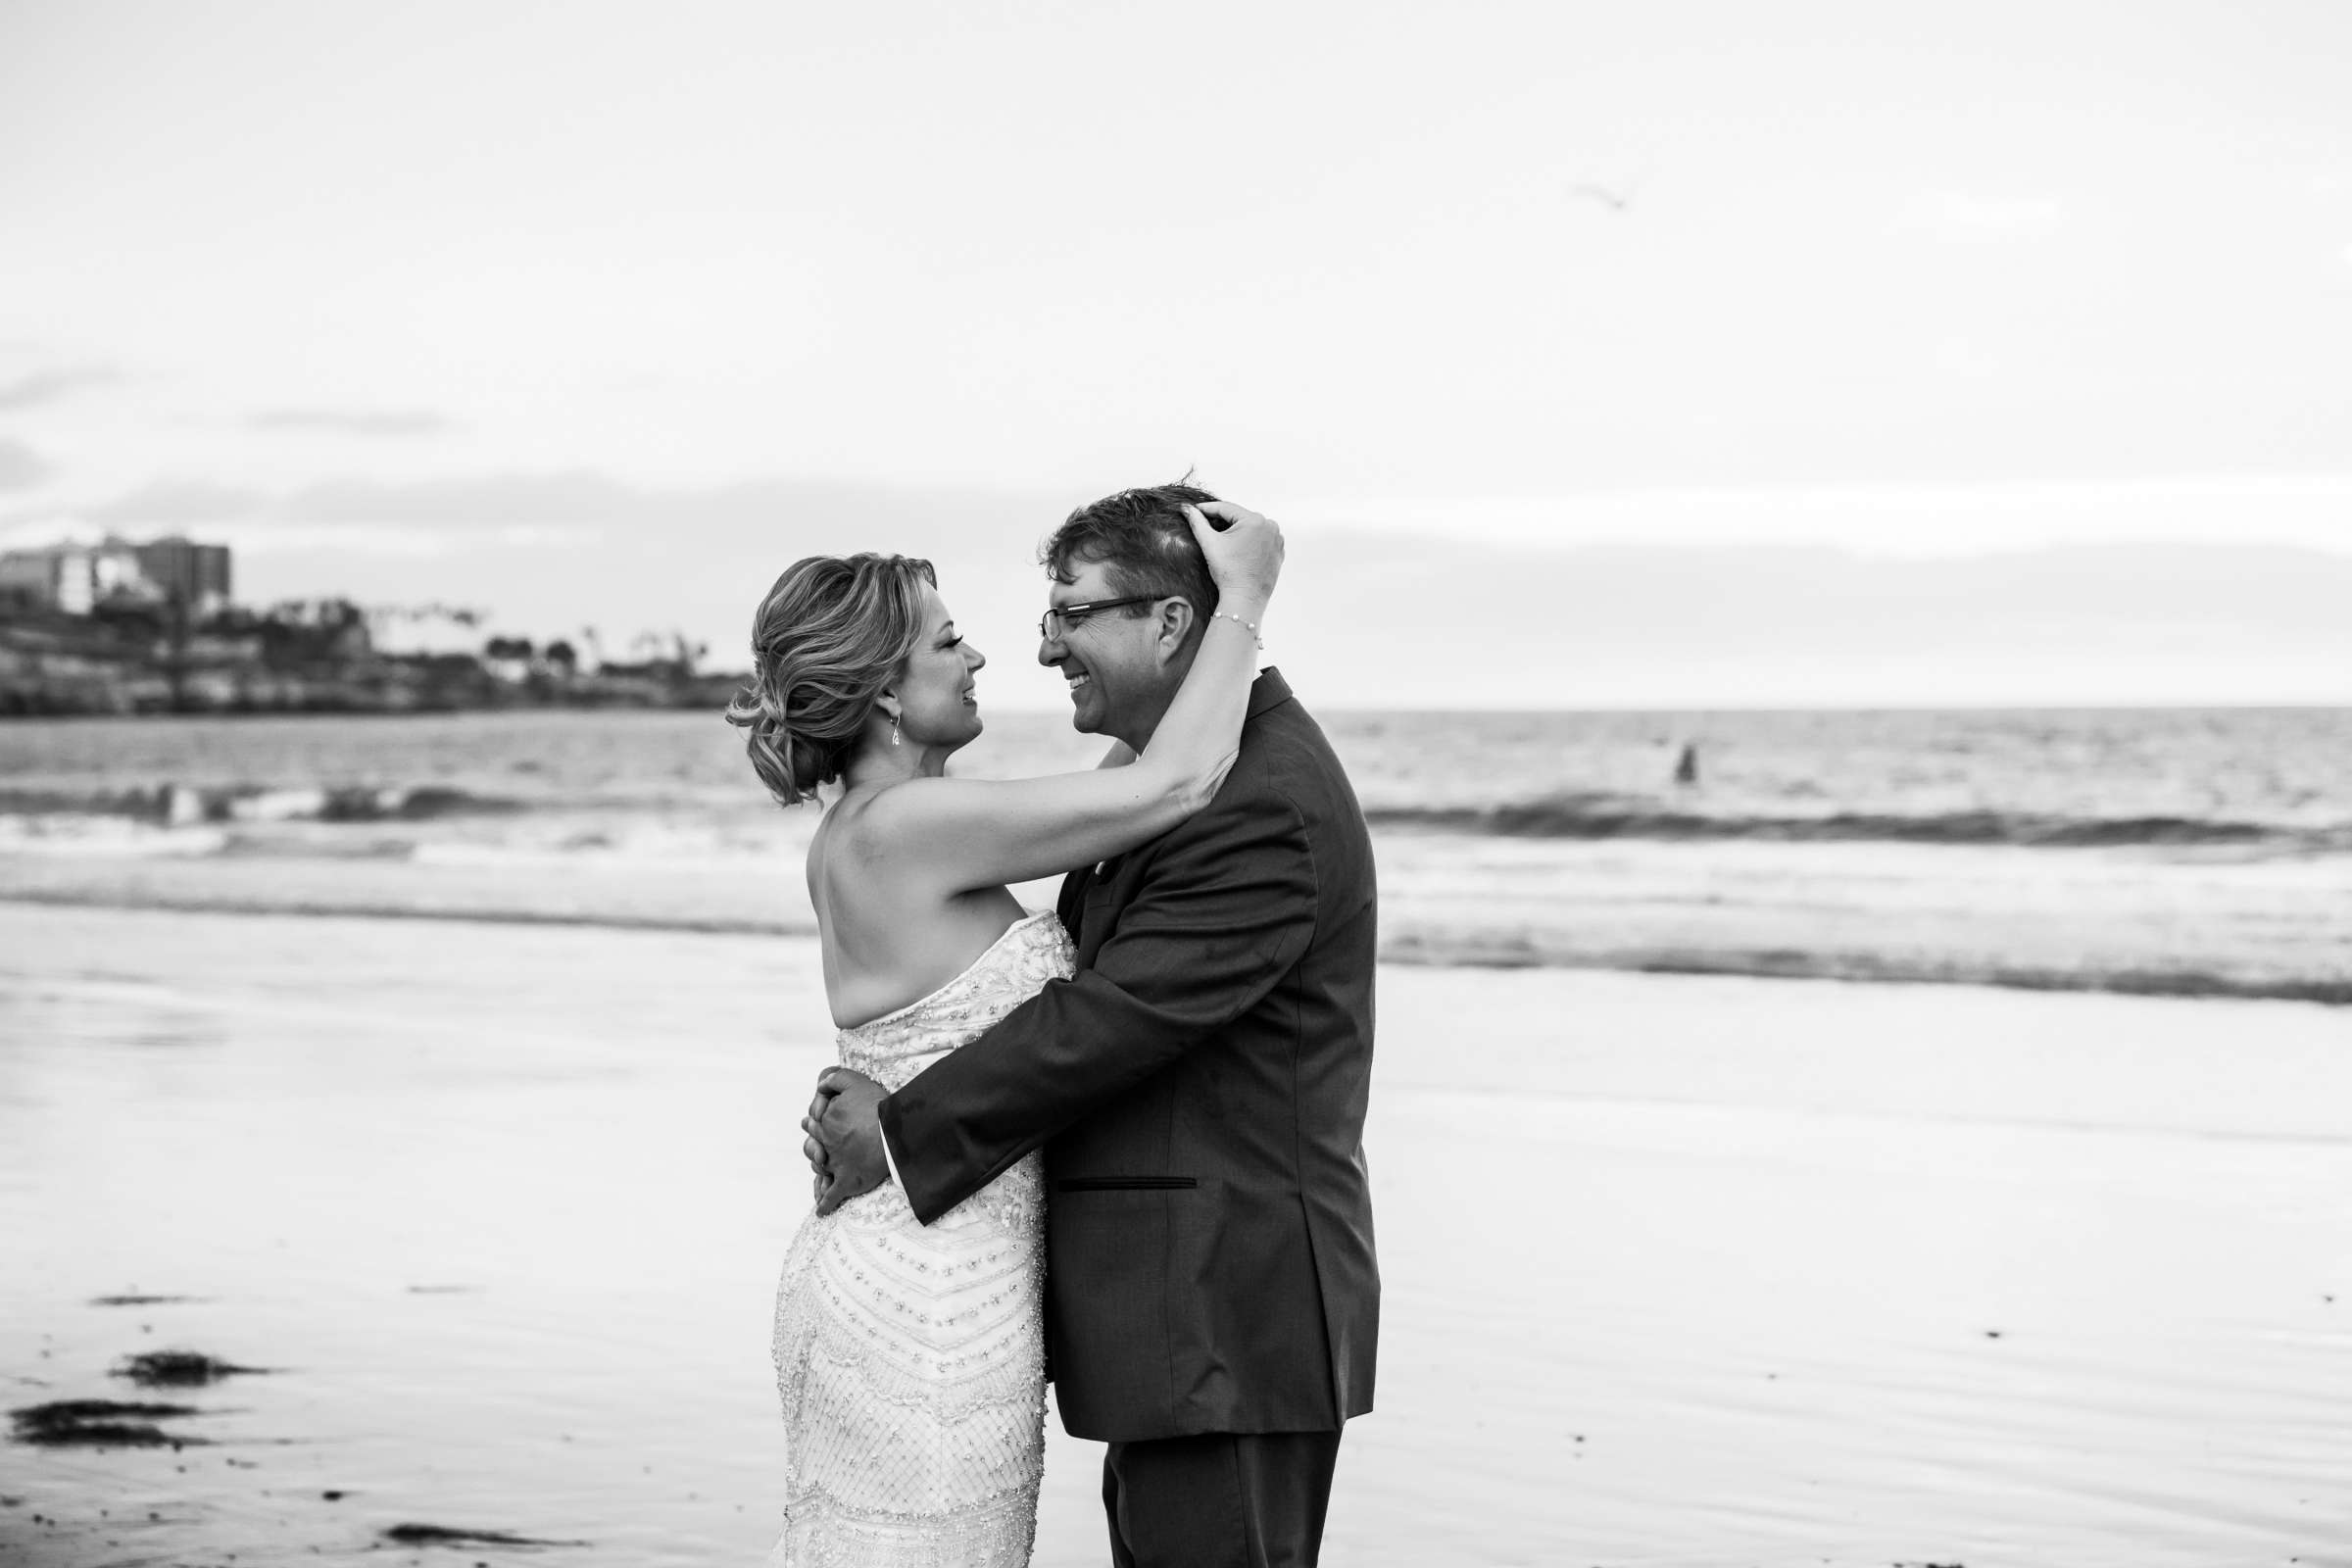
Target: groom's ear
{"points": [[1174, 632]]}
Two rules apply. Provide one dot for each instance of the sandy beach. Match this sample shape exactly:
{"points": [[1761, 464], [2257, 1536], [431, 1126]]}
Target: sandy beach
{"points": [[1678, 1270]]}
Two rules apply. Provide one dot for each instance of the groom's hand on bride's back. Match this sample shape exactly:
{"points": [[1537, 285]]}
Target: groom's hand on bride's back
{"points": [[844, 1146]]}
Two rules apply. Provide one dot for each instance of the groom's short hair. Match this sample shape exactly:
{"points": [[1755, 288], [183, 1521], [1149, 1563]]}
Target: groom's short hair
{"points": [[1141, 540]]}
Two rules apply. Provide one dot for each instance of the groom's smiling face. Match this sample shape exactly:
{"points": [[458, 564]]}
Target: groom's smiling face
{"points": [[1118, 683]]}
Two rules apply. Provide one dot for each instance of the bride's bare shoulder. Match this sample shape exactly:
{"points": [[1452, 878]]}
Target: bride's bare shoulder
{"points": [[868, 824], [864, 830]]}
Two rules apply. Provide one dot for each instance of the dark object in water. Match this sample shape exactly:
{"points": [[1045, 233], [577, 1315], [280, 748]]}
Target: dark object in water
{"points": [[98, 1424], [1685, 771], [421, 803], [177, 1369], [443, 1536], [142, 1301]]}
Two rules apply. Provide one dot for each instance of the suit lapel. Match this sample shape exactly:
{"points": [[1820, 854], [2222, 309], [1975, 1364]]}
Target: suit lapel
{"points": [[1090, 896], [1104, 889]]}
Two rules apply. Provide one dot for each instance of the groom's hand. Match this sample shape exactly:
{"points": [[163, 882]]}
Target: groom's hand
{"points": [[844, 1138]]}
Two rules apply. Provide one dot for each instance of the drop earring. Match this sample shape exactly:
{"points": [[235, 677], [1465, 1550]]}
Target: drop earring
{"points": [[893, 729]]}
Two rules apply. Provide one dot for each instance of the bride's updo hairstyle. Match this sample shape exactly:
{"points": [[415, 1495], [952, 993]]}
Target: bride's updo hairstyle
{"points": [[827, 638]]}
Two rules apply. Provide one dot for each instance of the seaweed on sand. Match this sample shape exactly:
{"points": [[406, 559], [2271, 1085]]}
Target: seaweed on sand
{"points": [[177, 1369], [444, 1536], [98, 1424]]}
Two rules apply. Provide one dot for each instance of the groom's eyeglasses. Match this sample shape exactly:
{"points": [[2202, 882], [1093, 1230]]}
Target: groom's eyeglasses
{"points": [[1059, 621]]}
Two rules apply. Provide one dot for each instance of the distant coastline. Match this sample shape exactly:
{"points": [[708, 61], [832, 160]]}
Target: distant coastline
{"points": [[320, 659]]}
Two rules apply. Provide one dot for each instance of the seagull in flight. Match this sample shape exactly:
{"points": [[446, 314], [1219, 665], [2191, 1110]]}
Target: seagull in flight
{"points": [[1616, 201]]}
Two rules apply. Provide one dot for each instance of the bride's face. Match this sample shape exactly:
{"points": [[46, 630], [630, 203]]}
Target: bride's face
{"points": [[937, 704]]}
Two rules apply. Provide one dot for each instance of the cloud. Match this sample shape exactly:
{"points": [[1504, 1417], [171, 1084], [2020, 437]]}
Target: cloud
{"points": [[21, 467], [47, 386], [588, 505], [551, 503], [2308, 509], [177, 504], [1957, 353], [556, 548], [1960, 215], [769, 516], [1633, 625], [355, 422], [1613, 618]]}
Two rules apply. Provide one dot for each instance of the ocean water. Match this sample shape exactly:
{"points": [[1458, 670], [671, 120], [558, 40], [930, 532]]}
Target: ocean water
{"points": [[2187, 852]]}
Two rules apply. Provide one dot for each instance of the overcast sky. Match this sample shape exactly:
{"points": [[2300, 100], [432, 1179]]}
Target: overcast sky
{"points": [[1761, 324]]}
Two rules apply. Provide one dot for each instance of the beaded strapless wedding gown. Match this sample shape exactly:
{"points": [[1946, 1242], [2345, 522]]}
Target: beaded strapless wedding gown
{"points": [[911, 1357]]}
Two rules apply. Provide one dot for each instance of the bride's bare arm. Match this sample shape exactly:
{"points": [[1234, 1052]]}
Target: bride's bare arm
{"points": [[959, 834]]}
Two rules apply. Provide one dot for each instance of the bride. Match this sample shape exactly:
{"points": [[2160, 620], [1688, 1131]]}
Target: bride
{"points": [[910, 1358]]}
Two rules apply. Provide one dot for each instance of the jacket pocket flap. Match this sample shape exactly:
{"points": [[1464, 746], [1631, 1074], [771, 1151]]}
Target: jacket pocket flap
{"points": [[1124, 1184]]}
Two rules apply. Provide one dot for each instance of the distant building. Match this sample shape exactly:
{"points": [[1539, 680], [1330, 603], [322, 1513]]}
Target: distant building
{"points": [[77, 578], [115, 572], [56, 577], [197, 576]]}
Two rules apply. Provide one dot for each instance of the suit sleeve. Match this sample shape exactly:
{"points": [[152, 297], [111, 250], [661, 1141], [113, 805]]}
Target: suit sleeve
{"points": [[1226, 909]]}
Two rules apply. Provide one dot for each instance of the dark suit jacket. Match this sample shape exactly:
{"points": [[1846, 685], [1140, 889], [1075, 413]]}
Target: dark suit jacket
{"points": [[1198, 1088]]}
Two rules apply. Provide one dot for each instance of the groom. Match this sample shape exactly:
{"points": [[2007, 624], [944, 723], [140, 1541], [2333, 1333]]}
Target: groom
{"points": [[1198, 1088]]}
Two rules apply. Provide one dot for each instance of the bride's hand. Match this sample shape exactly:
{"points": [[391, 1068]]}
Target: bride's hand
{"points": [[1243, 551]]}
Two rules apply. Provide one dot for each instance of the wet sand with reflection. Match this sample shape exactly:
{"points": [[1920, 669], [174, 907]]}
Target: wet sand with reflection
{"points": [[1679, 1270]]}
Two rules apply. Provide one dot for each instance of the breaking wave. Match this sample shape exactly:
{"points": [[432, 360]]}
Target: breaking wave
{"points": [[1410, 946], [187, 805], [1593, 818]]}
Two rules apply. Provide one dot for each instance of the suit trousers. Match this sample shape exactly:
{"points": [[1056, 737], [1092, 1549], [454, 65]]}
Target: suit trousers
{"points": [[1247, 1499]]}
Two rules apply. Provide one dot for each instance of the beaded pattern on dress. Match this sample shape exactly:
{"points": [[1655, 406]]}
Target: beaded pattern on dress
{"points": [[910, 1358]]}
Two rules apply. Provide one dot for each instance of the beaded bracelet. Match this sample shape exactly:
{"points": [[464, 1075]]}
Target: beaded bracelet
{"points": [[1219, 615]]}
